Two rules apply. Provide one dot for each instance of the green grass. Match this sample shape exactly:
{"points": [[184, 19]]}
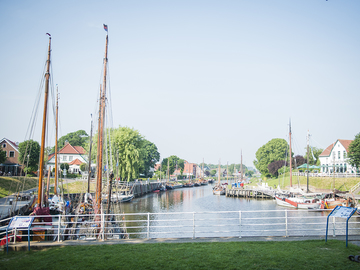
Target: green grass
{"points": [[9, 185], [342, 184], [212, 255]]}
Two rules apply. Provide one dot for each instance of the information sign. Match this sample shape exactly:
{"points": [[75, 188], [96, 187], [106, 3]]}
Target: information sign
{"points": [[20, 222]]}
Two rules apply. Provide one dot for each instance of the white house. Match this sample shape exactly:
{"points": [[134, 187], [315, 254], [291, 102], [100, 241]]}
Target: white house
{"points": [[73, 155], [334, 157]]}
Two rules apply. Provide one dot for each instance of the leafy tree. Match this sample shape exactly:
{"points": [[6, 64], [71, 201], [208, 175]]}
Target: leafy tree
{"points": [[128, 143], [273, 150], [29, 155], [64, 166], [77, 138], [274, 167], [84, 167], [300, 160], [354, 152], [212, 172], [2, 156], [173, 160], [314, 152], [150, 156]]}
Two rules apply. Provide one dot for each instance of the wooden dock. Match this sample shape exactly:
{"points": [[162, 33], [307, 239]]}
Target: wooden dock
{"points": [[249, 193]]}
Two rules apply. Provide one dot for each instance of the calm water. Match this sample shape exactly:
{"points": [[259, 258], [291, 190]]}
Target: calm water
{"points": [[196, 199], [164, 209]]}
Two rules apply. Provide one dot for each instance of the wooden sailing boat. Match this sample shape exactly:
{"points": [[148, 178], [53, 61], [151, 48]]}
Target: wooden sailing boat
{"points": [[218, 188], [40, 209]]}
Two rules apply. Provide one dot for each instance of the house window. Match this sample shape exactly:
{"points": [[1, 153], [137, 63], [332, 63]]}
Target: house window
{"points": [[338, 154], [344, 154], [70, 158], [64, 158], [4, 145], [11, 154]]}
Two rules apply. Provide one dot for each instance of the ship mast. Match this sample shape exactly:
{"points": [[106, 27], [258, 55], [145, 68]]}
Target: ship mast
{"points": [[56, 144], [42, 149], [101, 130], [290, 154]]}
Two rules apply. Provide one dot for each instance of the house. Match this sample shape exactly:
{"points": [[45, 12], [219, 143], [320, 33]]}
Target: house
{"points": [[189, 168], [73, 155], [334, 158], [11, 164]]}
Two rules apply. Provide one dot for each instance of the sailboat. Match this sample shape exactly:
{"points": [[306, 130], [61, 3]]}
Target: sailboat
{"points": [[218, 188], [302, 201], [41, 209]]}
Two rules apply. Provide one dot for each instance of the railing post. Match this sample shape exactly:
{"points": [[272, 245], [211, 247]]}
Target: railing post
{"points": [[193, 225], [103, 225], [286, 223], [148, 225], [59, 228], [239, 224]]}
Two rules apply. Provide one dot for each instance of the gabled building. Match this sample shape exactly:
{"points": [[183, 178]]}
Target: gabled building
{"points": [[11, 166], [73, 155], [334, 158], [189, 168]]}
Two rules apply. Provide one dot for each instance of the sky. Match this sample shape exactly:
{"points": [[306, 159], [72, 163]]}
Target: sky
{"points": [[200, 79]]}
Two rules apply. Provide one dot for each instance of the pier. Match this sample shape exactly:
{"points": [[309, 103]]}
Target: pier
{"points": [[251, 192]]}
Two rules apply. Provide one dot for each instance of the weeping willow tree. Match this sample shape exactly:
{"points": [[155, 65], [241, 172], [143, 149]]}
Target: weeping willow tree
{"points": [[128, 152], [127, 145]]}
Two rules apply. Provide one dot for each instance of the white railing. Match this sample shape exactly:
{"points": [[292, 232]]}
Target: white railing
{"points": [[355, 187], [188, 225], [323, 174]]}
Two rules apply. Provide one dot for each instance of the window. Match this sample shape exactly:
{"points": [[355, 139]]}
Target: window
{"points": [[70, 158], [11, 154], [64, 158], [344, 154], [338, 154], [4, 145]]}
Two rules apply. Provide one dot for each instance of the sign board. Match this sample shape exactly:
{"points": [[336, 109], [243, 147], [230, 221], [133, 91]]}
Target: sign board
{"points": [[20, 222], [343, 212]]}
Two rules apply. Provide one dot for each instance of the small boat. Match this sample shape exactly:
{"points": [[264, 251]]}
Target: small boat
{"points": [[160, 189], [300, 202], [187, 185], [218, 188]]}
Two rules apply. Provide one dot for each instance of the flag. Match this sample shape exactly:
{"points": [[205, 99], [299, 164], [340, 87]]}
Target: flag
{"points": [[48, 34], [105, 27]]}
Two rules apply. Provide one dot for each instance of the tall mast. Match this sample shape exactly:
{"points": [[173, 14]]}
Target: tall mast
{"points": [[56, 143], [42, 149], [290, 154], [241, 167], [98, 168], [307, 166], [89, 169], [219, 173]]}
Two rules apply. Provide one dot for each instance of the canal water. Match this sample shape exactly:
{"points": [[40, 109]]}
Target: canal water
{"points": [[172, 215]]}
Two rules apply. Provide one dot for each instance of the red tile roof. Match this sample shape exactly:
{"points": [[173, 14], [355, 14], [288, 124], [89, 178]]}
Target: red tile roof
{"points": [[327, 151], [69, 149], [75, 162]]}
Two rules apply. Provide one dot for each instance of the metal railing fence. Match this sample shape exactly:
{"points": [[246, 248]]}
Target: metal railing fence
{"points": [[261, 223]]}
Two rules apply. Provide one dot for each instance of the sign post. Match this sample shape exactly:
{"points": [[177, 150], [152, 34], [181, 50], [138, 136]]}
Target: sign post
{"points": [[341, 212], [16, 223]]}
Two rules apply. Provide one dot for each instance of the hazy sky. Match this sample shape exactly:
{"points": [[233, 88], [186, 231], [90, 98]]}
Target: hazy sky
{"points": [[200, 79]]}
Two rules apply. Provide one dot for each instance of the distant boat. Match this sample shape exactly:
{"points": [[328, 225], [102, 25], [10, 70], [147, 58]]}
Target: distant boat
{"points": [[218, 188]]}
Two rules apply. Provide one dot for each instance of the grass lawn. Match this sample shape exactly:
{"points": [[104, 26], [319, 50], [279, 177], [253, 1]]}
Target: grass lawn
{"points": [[213, 255], [342, 184]]}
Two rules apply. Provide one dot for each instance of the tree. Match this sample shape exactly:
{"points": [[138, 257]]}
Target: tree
{"points": [[300, 160], [274, 167], [29, 154], [64, 166], [314, 152], [212, 172], [173, 161], [150, 156], [354, 152], [273, 150], [2, 156], [128, 143]]}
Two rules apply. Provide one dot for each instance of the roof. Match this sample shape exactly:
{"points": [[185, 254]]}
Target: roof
{"points": [[75, 162], [69, 149], [13, 145], [328, 150]]}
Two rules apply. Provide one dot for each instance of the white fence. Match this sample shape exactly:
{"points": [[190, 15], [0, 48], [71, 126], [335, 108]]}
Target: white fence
{"points": [[188, 225]]}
